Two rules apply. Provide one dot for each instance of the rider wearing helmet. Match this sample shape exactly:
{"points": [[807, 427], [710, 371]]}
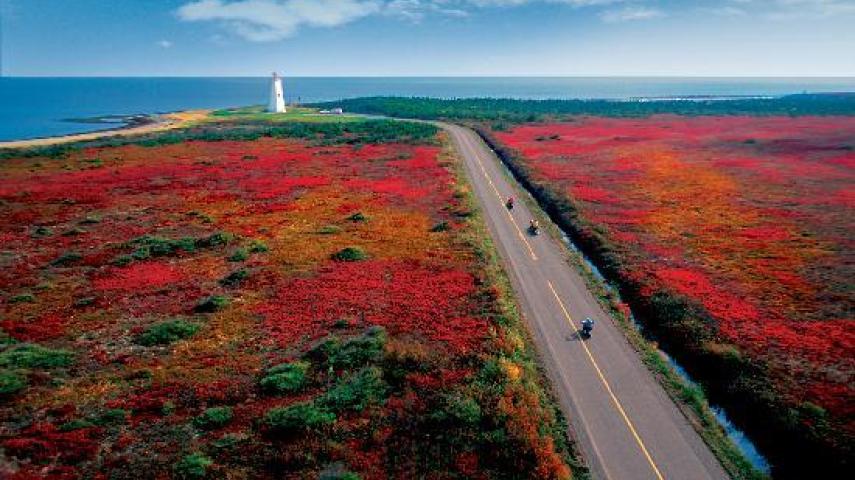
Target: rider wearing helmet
{"points": [[510, 202], [587, 326]]}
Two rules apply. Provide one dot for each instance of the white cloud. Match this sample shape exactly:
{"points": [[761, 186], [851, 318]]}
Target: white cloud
{"points": [[268, 20], [164, 44], [271, 20], [797, 9], [631, 13], [725, 11]]}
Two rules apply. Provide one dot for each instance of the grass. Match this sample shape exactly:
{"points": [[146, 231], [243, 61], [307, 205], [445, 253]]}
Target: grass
{"points": [[360, 131], [257, 114]]}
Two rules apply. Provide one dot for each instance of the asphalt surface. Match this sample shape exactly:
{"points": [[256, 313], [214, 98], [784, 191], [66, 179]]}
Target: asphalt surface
{"points": [[627, 426]]}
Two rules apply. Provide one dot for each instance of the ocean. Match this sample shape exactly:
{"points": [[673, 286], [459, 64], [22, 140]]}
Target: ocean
{"points": [[35, 107]]}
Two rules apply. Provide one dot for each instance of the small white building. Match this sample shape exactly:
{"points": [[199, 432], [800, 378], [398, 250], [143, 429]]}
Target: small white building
{"points": [[277, 95]]}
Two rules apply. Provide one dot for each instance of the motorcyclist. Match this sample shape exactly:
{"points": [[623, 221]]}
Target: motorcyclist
{"points": [[534, 226], [510, 203], [587, 326]]}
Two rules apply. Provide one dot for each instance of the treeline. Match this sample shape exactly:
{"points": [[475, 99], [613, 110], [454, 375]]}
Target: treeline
{"points": [[324, 133], [511, 110]]}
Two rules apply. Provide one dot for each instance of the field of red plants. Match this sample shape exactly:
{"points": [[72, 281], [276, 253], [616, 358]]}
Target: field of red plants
{"points": [[274, 308], [747, 220]]}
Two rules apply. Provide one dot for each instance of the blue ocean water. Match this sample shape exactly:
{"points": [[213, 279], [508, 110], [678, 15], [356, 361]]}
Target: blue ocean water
{"points": [[39, 107]]}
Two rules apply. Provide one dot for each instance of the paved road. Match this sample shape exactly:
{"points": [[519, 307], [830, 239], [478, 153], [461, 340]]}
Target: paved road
{"points": [[626, 424]]}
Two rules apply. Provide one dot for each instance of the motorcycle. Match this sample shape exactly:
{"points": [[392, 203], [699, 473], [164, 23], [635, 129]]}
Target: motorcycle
{"points": [[510, 204], [534, 228], [587, 327]]}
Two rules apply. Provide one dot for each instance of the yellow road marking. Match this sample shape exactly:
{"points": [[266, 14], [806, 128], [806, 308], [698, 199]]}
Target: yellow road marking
{"points": [[606, 384], [502, 200]]}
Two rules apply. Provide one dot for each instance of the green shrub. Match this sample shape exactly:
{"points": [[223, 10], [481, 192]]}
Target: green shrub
{"points": [[11, 382], [23, 298], [354, 352], [257, 246], [73, 232], [76, 424], [440, 227], [212, 304], [356, 391], [192, 466], [337, 471], [42, 231], [212, 418], [299, 416], [123, 260], [234, 278], [329, 229], [239, 255], [167, 332], [285, 378], [227, 441], [358, 217], [66, 258], [215, 239], [460, 409], [27, 355], [85, 301], [149, 246], [114, 416], [350, 254]]}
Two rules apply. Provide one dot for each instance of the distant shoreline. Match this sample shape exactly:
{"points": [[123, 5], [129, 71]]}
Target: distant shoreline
{"points": [[133, 125]]}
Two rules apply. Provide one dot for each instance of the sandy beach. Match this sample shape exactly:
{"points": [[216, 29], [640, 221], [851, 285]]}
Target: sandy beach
{"points": [[161, 122]]}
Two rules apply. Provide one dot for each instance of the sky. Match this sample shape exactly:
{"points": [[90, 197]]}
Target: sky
{"points": [[428, 37]]}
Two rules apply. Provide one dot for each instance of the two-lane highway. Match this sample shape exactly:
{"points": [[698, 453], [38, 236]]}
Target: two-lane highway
{"points": [[627, 425]]}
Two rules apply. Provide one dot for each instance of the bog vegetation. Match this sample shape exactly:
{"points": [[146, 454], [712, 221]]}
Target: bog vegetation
{"points": [[731, 237], [257, 301]]}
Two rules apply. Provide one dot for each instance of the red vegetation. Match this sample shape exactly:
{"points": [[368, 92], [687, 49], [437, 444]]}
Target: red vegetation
{"points": [[750, 217], [78, 275]]}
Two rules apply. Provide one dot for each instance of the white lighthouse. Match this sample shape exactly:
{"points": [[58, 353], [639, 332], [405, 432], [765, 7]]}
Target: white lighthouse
{"points": [[277, 99]]}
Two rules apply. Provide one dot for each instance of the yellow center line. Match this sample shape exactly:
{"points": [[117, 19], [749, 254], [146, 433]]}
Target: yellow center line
{"points": [[499, 195], [606, 384]]}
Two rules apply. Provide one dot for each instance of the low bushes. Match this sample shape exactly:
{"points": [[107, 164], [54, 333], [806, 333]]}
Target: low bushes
{"points": [[299, 416], [213, 418], [352, 353], [167, 332], [211, 304], [28, 355], [356, 391], [11, 382], [350, 254], [192, 467], [285, 378], [234, 278]]}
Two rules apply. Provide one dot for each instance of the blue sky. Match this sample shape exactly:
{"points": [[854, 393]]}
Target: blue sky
{"points": [[428, 37]]}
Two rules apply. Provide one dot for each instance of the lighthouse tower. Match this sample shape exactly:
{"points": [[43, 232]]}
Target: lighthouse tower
{"points": [[277, 99]]}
